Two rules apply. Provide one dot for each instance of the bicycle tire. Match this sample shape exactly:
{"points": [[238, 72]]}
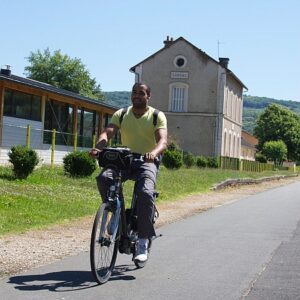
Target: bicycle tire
{"points": [[103, 248]]}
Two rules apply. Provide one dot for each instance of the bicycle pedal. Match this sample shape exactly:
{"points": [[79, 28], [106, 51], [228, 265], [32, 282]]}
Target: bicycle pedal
{"points": [[156, 236]]}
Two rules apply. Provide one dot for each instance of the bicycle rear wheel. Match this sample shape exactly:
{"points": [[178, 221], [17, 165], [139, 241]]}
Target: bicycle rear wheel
{"points": [[104, 244]]}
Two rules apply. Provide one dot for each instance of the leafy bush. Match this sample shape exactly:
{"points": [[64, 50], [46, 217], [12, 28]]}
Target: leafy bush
{"points": [[275, 151], [23, 160], [172, 146], [79, 164], [212, 162], [189, 159], [172, 159], [201, 161], [260, 157]]}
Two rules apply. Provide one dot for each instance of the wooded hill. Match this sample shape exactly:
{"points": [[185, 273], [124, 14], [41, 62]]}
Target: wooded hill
{"points": [[253, 106]]}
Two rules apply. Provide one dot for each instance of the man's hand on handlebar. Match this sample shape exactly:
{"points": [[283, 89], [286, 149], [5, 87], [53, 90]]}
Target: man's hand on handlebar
{"points": [[149, 157], [94, 152]]}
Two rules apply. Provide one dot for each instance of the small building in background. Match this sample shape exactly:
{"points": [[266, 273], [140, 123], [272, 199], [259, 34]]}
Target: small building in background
{"points": [[201, 97], [44, 107], [249, 143]]}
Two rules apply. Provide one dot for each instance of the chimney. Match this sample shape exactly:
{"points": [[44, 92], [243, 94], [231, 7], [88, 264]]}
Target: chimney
{"points": [[224, 62], [6, 71], [168, 42]]}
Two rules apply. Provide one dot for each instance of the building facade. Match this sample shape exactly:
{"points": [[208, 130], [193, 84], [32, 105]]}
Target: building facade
{"points": [[200, 96], [25, 102], [249, 143]]}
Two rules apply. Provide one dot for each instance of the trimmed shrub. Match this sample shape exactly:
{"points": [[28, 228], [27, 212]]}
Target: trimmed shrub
{"points": [[201, 161], [189, 159], [79, 164], [260, 157], [23, 160], [212, 162], [172, 159], [275, 151], [172, 147]]}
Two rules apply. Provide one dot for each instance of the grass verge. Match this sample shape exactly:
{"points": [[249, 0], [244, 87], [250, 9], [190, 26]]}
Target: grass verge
{"points": [[49, 197]]}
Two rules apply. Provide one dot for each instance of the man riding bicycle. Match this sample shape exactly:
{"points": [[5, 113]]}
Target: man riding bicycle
{"points": [[144, 130]]}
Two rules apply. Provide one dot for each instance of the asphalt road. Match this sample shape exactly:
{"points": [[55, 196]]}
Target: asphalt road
{"points": [[248, 249]]}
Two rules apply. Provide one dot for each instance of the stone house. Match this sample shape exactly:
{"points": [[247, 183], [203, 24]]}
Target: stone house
{"points": [[201, 97]]}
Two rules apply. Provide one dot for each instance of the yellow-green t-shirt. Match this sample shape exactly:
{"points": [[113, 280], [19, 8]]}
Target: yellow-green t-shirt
{"points": [[138, 134]]}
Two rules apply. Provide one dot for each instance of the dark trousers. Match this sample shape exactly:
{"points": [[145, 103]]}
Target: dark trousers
{"points": [[144, 174]]}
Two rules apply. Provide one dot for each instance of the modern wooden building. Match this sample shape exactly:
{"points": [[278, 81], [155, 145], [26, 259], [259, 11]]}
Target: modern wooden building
{"points": [[44, 107]]}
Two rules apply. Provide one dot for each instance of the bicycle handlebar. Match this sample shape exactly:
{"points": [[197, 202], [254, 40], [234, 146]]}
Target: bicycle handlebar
{"points": [[141, 157], [121, 157]]}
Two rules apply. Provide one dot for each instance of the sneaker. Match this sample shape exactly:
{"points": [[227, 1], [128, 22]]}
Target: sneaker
{"points": [[141, 250]]}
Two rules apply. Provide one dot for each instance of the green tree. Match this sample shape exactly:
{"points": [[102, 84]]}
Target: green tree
{"points": [[63, 72], [278, 123], [275, 151]]}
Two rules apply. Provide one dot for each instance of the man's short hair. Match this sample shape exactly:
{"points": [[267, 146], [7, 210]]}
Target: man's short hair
{"points": [[148, 89]]}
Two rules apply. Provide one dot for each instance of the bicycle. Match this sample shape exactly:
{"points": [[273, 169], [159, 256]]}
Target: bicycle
{"points": [[115, 227]]}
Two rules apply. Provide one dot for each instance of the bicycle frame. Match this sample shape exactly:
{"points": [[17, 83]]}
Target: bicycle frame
{"points": [[124, 232]]}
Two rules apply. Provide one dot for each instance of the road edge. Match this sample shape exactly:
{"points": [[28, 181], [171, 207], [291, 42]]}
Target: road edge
{"points": [[247, 181]]}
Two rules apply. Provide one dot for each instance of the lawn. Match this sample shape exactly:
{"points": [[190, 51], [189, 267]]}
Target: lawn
{"points": [[49, 197]]}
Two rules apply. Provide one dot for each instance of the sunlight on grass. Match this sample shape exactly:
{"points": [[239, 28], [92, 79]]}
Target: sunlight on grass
{"points": [[49, 196]]}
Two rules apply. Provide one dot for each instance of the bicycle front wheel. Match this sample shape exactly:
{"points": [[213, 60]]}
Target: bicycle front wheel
{"points": [[104, 244]]}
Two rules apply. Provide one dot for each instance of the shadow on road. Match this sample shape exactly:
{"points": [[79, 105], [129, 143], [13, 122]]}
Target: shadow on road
{"points": [[66, 280], [55, 281], [120, 273]]}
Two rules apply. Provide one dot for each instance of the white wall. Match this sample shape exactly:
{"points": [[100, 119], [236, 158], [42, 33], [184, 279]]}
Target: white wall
{"points": [[14, 133]]}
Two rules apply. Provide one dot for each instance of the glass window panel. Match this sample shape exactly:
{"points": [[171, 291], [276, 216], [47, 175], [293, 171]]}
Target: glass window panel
{"points": [[79, 120], [58, 116], [107, 119], [8, 105], [96, 124], [86, 123], [36, 108], [70, 118], [22, 105], [178, 98]]}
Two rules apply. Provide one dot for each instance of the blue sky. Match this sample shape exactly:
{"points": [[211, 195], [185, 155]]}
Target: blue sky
{"points": [[261, 37]]}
